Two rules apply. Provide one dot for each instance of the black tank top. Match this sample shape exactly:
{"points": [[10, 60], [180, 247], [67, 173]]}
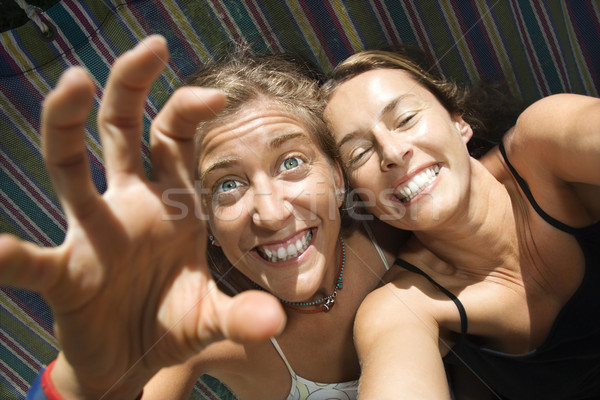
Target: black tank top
{"points": [[567, 364]]}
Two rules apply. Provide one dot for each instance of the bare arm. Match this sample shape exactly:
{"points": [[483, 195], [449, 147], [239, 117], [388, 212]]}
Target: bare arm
{"points": [[397, 343], [129, 287]]}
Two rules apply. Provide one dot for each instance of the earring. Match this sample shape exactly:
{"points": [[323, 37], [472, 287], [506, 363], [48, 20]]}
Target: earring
{"points": [[341, 194], [212, 239]]}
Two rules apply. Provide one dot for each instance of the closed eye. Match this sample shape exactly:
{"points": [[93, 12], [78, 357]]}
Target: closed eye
{"points": [[406, 120], [358, 155]]}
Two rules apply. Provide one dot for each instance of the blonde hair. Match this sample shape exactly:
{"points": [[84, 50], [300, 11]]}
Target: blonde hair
{"points": [[287, 82]]}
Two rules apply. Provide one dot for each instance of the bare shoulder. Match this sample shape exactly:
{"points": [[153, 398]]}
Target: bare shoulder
{"points": [[553, 119], [557, 107], [559, 134], [407, 298]]}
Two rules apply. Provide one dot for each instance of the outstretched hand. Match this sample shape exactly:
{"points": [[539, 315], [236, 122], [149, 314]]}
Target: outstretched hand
{"points": [[129, 287]]}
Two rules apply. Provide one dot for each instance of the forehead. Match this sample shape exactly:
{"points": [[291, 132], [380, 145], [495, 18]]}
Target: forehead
{"points": [[254, 130], [378, 86], [370, 94]]}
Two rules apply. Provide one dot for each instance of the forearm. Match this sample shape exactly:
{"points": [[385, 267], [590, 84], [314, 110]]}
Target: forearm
{"points": [[59, 380], [397, 344], [412, 378], [174, 383]]}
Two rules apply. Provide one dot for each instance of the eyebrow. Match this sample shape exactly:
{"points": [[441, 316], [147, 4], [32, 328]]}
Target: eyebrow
{"points": [[281, 139], [273, 144], [392, 105], [223, 163], [389, 107]]}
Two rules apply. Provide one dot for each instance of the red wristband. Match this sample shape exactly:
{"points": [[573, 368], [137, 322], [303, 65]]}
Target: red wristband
{"points": [[49, 389], [48, 386]]}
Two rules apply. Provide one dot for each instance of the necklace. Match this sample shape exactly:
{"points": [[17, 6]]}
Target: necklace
{"points": [[326, 303]]}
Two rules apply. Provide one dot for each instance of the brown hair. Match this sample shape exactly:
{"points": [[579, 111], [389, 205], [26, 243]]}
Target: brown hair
{"points": [[448, 93], [488, 107]]}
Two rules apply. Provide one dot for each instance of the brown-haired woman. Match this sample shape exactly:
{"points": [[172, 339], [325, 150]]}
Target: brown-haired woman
{"points": [[503, 269]]}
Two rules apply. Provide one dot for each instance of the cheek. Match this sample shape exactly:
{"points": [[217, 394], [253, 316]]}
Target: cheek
{"points": [[295, 190], [366, 176], [312, 199], [227, 221]]}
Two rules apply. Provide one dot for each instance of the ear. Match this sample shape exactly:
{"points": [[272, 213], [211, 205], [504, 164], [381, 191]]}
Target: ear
{"points": [[338, 179], [463, 127], [212, 239]]}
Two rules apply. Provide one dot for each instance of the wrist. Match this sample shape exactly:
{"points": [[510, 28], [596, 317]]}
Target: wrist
{"points": [[47, 385], [51, 385]]}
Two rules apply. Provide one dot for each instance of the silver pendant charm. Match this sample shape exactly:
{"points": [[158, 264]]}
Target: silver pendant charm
{"points": [[328, 305]]}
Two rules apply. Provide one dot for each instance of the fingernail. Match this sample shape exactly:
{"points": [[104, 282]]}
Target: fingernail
{"points": [[152, 38], [75, 72]]}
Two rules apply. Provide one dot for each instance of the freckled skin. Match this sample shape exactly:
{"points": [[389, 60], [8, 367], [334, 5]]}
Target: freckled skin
{"points": [[269, 194]]}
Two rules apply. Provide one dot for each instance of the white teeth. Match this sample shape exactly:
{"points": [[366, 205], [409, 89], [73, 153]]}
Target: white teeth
{"points": [[291, 251], [417, 184], [281, 253], [284, 253], [421, 179]]}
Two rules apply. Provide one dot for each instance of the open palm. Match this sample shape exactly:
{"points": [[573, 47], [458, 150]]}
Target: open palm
{"points": [[129, 287]]}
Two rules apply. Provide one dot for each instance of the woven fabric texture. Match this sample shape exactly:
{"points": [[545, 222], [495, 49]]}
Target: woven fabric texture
{"points": [[538, 47]]}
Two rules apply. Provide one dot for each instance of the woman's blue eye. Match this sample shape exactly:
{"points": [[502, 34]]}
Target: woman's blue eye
{"points": [[290, 163], [228, 185]]}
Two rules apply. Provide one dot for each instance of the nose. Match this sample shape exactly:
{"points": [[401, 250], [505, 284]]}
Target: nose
{"points": [[270, 209], [393, 149]]}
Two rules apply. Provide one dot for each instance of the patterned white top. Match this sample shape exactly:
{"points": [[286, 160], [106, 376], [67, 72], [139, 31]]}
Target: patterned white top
{"points": [[304, 389]]}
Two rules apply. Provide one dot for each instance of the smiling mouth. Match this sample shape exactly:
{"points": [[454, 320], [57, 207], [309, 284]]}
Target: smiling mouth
{"points": [[417, 184], [289, 249]]}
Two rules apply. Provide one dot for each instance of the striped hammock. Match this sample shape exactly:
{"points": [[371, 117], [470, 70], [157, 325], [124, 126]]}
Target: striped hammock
{"points": [[538, 47]]}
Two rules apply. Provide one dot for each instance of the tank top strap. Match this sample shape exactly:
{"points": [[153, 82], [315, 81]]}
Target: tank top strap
{"points": [[280, 352], [525, 188], [461, 309], [377, 247]]}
